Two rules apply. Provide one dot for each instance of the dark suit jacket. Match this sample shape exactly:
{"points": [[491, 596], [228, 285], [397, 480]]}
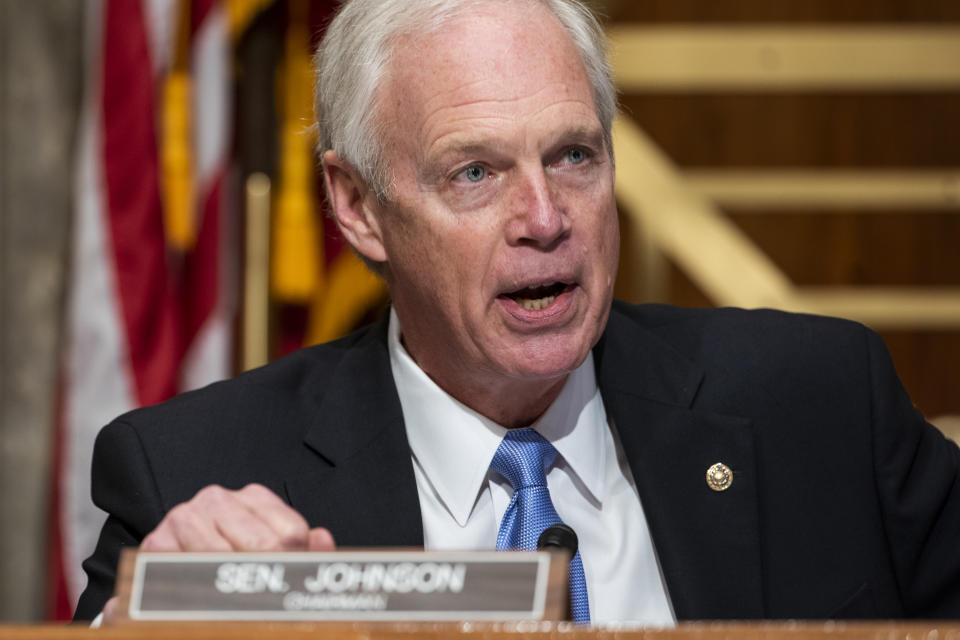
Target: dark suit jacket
{"points": [[844, 502]]}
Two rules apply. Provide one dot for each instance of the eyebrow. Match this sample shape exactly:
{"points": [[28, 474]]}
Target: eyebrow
{"points": [[586, 135], [436, 163], [467, 145]]}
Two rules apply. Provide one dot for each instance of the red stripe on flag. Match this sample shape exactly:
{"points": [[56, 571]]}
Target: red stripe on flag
{"points": [[200, 9], [133, 199]]}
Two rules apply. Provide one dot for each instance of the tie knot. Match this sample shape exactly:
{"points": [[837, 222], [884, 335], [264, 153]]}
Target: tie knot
{"points": [[522, 457]]}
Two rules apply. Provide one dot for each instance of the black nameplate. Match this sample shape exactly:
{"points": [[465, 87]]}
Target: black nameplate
{"points": [[342, 585]]}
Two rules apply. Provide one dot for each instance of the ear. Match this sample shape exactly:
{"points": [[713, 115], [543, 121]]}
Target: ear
{"points": [[352, 204]]}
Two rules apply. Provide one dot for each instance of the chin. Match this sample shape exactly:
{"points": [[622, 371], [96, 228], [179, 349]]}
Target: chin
{"points": [[549, 361]]}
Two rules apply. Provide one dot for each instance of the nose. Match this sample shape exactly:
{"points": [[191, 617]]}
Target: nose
{"points": [[538, 217]]}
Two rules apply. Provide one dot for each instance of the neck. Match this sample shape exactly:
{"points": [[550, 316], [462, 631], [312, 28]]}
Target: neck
{"points": [[510, 402], [513, 405]]}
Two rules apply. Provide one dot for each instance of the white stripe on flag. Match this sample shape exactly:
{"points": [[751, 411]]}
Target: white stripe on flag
{"points": [[210, 65], [97, 381], [208, 357]]}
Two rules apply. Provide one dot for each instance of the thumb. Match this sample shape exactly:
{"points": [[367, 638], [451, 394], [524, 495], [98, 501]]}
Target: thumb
{"points": [[111, 611], [320, 539]]}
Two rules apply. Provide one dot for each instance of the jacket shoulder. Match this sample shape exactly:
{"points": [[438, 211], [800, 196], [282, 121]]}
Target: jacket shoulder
{"points": [[240, 430], [301, 375], [747, 339]]}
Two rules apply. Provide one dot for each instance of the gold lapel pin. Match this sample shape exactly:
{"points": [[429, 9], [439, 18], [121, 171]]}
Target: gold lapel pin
{"points": [[719, 477]]}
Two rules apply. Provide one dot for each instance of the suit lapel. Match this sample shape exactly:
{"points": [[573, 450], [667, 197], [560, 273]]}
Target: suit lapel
{"points": [[354, 474], [708, 542]]}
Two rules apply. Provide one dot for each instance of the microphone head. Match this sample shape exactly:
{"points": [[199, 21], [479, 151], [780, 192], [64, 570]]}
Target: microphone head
{"points": [[558, 536]]}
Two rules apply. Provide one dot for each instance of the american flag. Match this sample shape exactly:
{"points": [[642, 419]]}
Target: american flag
{"points": [[150, 307]]}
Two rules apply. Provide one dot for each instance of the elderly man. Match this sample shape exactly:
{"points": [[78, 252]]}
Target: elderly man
{"points": [[715, 464]]}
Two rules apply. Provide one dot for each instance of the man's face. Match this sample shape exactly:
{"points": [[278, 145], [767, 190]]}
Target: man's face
{"points": [[501, 231]]}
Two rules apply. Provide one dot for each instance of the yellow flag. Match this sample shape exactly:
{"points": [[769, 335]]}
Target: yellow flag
{"points": [[176, 153], [296, 256]]}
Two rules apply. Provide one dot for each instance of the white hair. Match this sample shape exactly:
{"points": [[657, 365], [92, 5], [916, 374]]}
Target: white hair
{"points": [[353, 56]]}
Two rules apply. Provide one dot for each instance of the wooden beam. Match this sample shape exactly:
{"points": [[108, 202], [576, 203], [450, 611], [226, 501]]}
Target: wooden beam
{"points": [[818, 57], [884, 308], [897, 190]]}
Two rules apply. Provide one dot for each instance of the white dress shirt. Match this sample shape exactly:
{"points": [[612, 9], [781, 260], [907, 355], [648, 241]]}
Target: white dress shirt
{"points": [[462, 501]]}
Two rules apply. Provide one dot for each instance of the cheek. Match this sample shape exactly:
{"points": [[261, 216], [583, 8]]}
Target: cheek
{"points": [[613, 236], [409, 262], [605, 231], [430, 257], [604, 253]]}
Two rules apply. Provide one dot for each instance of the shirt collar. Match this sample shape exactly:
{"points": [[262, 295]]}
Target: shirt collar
{"points": [[576, 424], [454, 444]]}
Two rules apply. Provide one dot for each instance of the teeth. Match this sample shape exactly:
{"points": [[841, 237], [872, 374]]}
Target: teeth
{"points": [[535, 304]]}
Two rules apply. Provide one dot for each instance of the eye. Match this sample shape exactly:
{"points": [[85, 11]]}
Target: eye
{"points": [[576, 155], [474, 173]]}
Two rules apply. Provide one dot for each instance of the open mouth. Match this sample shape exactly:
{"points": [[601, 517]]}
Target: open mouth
{"points": [[539, 297]]}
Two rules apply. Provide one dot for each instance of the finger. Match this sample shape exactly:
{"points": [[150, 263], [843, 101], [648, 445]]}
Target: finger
{"points": [[288, 526], [216, 519], [230, 519], [161, 539], [193, 525], [320, 539]]}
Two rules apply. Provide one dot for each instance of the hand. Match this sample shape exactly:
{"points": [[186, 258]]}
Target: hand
{"points": [[217, 519], [251, 519]]}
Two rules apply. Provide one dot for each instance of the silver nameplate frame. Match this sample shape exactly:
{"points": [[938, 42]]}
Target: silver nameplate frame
{"points": [[380, 585]]}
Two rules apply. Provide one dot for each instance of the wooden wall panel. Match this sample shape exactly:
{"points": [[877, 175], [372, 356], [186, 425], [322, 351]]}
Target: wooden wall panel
{"points": [[895, 249], [804, 130], [817, 130], [740, 11]]}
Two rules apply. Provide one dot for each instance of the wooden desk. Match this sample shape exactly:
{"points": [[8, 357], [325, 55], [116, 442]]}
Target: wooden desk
{"points": [[492, 631]]}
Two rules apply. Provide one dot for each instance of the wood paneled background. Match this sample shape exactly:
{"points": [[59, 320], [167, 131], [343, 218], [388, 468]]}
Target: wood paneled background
{"points": [[886, 129]]}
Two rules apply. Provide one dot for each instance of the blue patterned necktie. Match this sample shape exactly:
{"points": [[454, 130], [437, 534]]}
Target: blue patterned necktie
{"points": [[521, 458]]}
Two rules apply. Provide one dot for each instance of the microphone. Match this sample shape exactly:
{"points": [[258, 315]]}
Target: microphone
{"points": [[558, 536]]}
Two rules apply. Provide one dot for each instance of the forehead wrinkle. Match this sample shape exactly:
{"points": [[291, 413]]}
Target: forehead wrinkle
{"points": [[448, 128], [497, 135], [495, 97], [559, 94]]}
